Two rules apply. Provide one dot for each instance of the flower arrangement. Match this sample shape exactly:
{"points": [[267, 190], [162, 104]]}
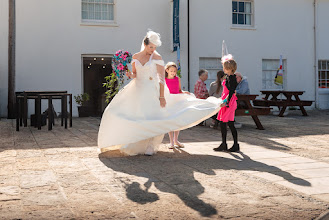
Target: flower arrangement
{"points": [[116, 78]]}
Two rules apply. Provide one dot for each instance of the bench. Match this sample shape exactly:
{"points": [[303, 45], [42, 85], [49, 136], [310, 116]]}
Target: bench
{"points": [[245, 108], [271, 99]]}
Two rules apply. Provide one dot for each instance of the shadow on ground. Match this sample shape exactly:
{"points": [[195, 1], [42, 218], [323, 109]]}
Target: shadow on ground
{"points": [[166, 174]]}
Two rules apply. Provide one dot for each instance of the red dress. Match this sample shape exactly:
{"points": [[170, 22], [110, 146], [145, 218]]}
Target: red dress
{"points": [[173, 85], [226, 114]]}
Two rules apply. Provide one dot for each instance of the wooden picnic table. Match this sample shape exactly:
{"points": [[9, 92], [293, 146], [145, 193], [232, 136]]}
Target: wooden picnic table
{"points": [[245, 108], [22, 107], [291, 98]]}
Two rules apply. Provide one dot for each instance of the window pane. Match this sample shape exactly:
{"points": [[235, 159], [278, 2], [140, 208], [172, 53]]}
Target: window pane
{"points": [[235, 18], [319, 64], [104, 8], [106, 16], [240, 19], [327, 64], [234, 6], [91, 11], [323, 75], [324, 67], [241, 6], [84, 15], [98, 16], [84, 6], [248, 19], [98, 7], [248, 7], [111, 12]]}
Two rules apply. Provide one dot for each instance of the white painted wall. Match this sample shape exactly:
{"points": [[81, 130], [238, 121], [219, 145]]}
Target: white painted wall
{"points": [[3, 57], [281, 27], [51, 39], [323, 46]]}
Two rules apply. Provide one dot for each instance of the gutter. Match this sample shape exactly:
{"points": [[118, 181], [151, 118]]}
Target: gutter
{"points": [[188, 45], [315, 56]]}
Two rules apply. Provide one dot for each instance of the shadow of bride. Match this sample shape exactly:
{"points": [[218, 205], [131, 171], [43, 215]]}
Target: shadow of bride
{"points": [[173, 172]]}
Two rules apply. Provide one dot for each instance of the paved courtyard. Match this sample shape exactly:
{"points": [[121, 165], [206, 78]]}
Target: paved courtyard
{"points": [[281, 173]]}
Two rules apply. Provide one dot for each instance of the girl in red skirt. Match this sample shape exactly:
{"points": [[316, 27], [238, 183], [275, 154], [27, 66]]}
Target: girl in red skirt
{"points": [[229, 105]]}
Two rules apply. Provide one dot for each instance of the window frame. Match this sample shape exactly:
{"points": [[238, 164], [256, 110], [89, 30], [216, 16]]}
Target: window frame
{"points": [[273, 73], [212, 70], [252, 15], [96, 22], [326, 73]]}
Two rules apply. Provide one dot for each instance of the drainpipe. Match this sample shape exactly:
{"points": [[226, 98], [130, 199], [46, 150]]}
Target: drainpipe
{"points": [[315, 56], [11, 59], [188, 45]]}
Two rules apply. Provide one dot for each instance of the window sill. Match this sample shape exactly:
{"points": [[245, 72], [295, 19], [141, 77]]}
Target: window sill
{"points": [[99, 23], [240, 27], [324, 91]]}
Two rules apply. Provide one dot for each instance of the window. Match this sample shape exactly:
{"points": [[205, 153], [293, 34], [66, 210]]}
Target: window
{"points": [[269, 69], [242, 12], [98, 10], [323, 69], [212, 65]]}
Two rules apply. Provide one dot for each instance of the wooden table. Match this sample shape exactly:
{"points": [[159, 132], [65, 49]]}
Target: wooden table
{"points": [[245, 108], [22, 107], [291, 98]]}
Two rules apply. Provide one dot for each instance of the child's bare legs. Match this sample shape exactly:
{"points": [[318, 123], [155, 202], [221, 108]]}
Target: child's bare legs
{"points": [[179, 144], [171, 137]]}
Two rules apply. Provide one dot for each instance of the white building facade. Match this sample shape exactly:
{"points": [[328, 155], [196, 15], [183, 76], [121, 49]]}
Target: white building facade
{"points": [[58, 42]]}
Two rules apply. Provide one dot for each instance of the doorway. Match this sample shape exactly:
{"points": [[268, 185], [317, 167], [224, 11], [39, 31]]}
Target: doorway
{"points": [[95, 68]]}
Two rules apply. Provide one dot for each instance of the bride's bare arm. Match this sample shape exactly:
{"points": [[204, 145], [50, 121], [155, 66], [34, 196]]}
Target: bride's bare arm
{"points": [[133, 73], [161, 73]]}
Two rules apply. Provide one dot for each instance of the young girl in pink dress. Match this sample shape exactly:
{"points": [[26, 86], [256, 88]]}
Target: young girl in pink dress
{"points": [[229, 105], [174, 86]]}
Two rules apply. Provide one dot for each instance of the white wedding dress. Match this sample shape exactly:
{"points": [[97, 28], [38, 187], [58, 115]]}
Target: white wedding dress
{"points": [[135, 122]]}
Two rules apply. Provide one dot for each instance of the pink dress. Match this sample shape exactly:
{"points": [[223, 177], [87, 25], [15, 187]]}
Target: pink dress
{"points": [[226, 114], [173, 85]]}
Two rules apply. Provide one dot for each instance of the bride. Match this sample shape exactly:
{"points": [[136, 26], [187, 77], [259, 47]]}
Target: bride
{"points": [[141, 113]]}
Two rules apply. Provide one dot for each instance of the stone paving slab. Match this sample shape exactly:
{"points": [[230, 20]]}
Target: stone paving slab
{"points": [[279, 174]]}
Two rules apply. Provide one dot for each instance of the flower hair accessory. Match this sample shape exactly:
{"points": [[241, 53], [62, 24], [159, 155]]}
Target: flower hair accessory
{"points": [[227, 57]]}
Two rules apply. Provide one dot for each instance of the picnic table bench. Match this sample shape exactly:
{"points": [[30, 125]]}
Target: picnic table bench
{"points": [[22, 107], [245, 108], [271, 99]]}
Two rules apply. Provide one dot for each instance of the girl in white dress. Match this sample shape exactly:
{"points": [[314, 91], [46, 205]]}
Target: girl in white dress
{"points": [[141, 113]]}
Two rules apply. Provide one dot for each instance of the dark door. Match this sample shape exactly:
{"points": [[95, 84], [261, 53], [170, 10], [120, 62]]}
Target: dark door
{"points": [[94, 71]]}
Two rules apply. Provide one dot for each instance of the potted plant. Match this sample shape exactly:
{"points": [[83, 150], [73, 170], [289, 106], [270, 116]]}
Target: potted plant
{"points": [[80, 100]]}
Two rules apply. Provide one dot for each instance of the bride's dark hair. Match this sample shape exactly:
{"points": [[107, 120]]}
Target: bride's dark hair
{"points": [[146, 40]]}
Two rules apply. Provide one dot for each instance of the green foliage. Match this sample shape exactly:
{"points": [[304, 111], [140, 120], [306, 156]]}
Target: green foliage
{"points": [[179, 73], [82, 98], [112, 86]]}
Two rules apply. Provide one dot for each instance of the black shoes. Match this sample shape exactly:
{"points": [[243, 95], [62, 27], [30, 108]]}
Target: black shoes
{"points": [[222, 147], [234, 148]]}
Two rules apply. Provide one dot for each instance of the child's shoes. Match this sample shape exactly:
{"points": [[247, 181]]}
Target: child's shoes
{"points": [[222, 147], [234, 148]]}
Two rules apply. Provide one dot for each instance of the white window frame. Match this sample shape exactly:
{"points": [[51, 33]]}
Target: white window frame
{"points": [[323, 66], [252, 15], [95, 22], [212, 67], [272, 72]]}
